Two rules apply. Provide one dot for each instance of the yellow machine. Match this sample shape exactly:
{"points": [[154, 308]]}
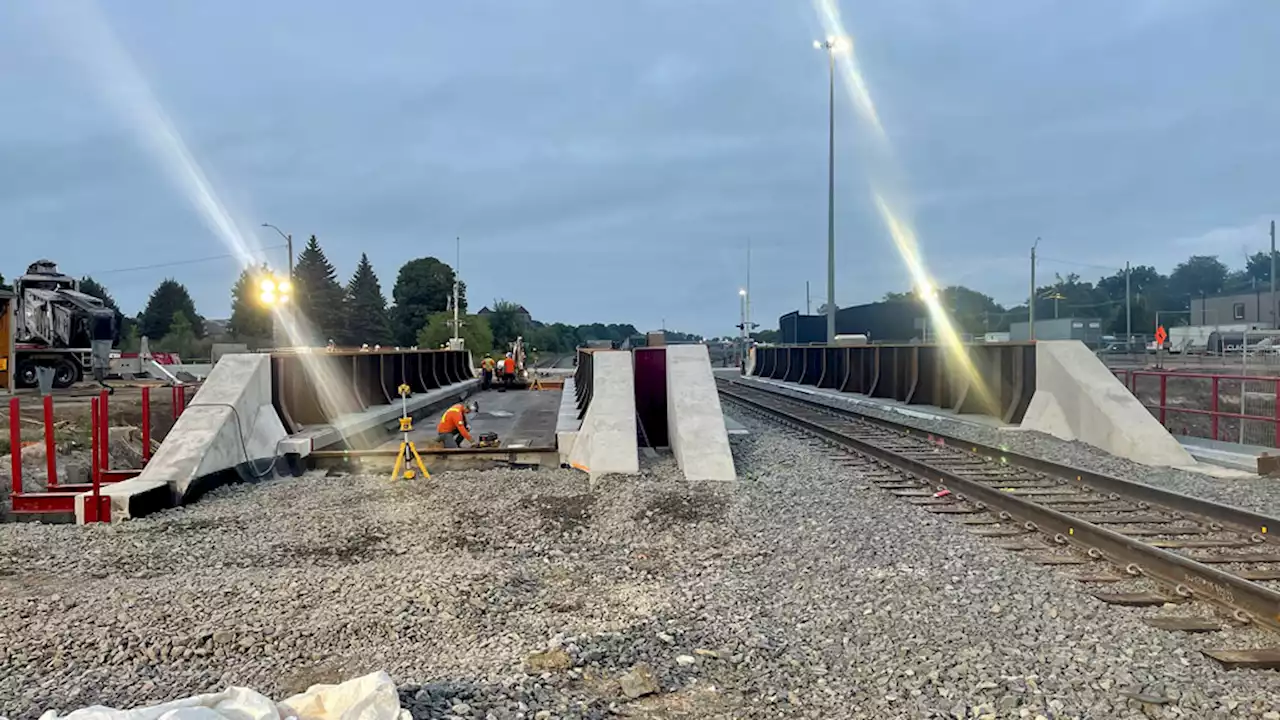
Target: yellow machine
{"points": [[407, 459]]}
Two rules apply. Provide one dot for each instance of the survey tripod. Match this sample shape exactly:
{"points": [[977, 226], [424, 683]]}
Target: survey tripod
{"points": [[407, 459]]}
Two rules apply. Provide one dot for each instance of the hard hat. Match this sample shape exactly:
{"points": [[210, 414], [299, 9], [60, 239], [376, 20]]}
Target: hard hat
{"points": [[473, 406]]}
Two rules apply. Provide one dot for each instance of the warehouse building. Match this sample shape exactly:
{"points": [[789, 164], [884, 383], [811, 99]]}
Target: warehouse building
{"points": [[1086, 330], [881, 322]]}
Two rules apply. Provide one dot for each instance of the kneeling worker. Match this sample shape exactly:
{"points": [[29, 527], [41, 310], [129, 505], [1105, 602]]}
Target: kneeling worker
{"points": [[453, 428]]}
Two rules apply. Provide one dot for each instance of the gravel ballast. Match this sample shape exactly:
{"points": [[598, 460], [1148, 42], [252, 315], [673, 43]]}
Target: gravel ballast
{"points": [[1228, 487], [797, 592]]}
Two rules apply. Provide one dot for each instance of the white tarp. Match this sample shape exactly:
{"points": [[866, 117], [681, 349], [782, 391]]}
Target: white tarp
{"points": [[372, 697]]}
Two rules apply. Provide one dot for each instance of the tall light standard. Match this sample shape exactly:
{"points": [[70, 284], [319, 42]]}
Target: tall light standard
{"points": [[832, 45], [742, 331], [288, 241]]}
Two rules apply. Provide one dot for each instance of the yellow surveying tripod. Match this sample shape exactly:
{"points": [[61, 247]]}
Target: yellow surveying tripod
{"points": [[408, 457]]}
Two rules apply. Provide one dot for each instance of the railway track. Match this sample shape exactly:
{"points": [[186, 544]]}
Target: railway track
{"points": [[1116, 530]]}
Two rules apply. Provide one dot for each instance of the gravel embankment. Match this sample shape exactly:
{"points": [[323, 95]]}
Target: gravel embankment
{"points": [[797, 592], [1229, 487]]}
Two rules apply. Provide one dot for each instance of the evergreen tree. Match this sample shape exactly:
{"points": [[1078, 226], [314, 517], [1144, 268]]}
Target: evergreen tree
{"points": [[250, 318], [169, 298], [317, 295], [367, 318]]}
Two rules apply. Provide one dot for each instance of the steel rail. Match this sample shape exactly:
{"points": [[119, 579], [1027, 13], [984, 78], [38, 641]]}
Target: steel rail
{"points": [[1242, 519], [1186, 576]]}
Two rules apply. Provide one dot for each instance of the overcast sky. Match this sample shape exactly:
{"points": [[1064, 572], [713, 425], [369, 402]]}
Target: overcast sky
{"points": [[608, 161]]}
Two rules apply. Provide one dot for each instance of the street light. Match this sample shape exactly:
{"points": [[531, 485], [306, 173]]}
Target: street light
{"points": [[274, 290], [832, 45], [288, 241]]}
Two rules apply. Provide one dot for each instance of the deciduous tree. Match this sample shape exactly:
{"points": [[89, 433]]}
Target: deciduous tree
{"points": [[423, 286], [476, 334]]}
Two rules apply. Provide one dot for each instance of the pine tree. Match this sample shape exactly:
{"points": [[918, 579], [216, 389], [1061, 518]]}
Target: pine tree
{"points": [[169, 298], [250, 318], [367, 318], [318, 296]]}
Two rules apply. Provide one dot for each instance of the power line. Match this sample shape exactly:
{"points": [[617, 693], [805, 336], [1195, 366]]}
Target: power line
{"points": [[175, 263], [1081, 264]]}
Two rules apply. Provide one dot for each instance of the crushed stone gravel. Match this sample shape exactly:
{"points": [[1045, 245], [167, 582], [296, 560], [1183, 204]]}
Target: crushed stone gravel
{"points": [[1221, 486], [795, 592]]}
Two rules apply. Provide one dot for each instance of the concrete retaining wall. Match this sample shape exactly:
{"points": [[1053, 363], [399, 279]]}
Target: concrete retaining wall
{"points": [[1078, 398], [606, 442], [230, 430], [695, 422]]}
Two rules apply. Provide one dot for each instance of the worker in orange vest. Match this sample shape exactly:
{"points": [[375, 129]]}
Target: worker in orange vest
{"points": [[508, 371], [453, 428]]}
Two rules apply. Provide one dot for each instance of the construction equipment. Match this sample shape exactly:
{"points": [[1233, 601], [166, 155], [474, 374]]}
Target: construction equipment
{"points": [[488, 440], [59, 327], [407, 459]]}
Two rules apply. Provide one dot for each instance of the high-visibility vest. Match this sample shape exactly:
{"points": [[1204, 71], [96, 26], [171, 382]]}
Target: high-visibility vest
{"points": [[487, 364], [452, 419], [510, 366]]}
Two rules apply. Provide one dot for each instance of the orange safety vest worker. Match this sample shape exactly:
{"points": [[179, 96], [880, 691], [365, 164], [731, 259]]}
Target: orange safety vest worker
{"points": [[487, 364], [454, 422], [509, 366]]}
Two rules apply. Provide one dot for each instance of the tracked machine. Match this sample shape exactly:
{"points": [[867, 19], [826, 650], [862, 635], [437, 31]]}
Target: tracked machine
{"points": [[58, 327]]}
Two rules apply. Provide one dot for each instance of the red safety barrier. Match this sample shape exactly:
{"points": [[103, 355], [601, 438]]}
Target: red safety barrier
{"points": [[50, 443], [1233, 408], [146, 425], [15, 444]]}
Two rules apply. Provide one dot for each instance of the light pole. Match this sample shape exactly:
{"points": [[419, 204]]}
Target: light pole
{"points": [[832, 45], [742, 330], [274, 292], [288, 241]]}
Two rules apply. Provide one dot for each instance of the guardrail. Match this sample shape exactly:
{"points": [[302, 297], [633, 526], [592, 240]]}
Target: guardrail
{"points": [[314, 388], [1231, 408], [1000, 384]]}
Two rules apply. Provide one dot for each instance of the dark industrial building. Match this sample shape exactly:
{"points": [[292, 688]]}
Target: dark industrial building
{"points": [[880, 322]]}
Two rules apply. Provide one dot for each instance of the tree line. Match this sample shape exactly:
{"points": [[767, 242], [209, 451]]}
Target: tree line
{"points": [[1150, 291], [351, 315]]}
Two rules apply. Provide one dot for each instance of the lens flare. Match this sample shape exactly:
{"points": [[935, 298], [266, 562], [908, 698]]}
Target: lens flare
{"points": [[883, 172], [88, 38]]}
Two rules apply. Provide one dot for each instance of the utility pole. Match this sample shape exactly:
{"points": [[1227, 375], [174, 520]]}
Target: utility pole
{"points": [[457, 267], [808, 304], [747, 311], [288, 241], [1031, 306], [1128, 307], [832, 45], [1275, 321]]}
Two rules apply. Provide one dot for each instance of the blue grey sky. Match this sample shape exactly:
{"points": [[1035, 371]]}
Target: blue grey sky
{"points": [[608, 161]]}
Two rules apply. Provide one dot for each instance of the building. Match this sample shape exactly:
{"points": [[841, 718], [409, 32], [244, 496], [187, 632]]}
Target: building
{"points": [[881, 322], [1251, 308], [1086, 330], [520, 312]]}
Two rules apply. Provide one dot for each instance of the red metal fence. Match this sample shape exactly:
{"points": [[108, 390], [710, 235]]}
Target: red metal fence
{"points": [[59, 497], [1232, 408]]}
